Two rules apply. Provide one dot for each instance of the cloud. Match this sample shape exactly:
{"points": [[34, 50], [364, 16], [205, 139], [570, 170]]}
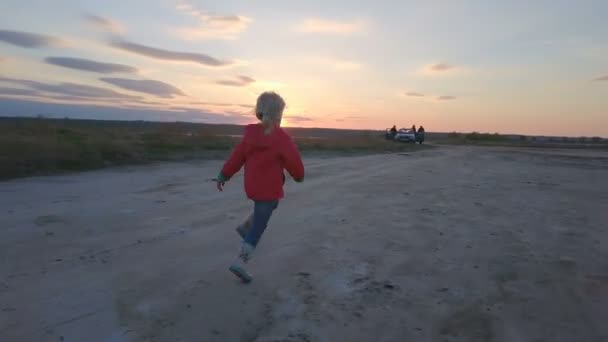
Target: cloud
{"points": [[105, 24], [445, 98], [211, 26], [169, 55], [350, 118], [71, 89], [28, 40], [158, 88], [325, 26], [89, 65], [438, 69], [181, 108], [218, 104], [240, 113], [82, 90], [81, 99], [35, 107], [414, 94], [442, 67], [221, 104], [17, 92], [601, 79], [240, 81], [10, 80], [149, 103], [297, 118]]}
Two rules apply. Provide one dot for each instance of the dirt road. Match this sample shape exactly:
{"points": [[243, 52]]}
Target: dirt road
{"points": [[451, 244]]}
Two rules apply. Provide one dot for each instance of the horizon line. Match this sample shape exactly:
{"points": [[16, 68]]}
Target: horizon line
{"points": [[43, 117]]}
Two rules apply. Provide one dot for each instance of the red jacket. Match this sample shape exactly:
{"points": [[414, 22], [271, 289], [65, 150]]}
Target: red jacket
{"points": [[265, 157]]}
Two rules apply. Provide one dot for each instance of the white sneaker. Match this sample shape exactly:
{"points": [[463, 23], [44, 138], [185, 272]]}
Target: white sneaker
{"points": [[238, 269], [246, 252], [238, 266]]}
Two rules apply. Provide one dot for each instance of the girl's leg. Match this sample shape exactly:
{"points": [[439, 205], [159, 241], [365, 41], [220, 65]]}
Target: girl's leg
{"points": [[261, 215], [244, 227]]}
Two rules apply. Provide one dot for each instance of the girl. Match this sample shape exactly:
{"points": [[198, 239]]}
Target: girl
{"points": [[265, 151]]}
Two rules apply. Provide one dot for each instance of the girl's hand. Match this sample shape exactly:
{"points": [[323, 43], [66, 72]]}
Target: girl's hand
{"points": [[221, 181]]}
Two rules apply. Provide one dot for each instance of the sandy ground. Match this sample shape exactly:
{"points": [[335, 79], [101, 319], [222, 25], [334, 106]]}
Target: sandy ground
{"points": [[452, 244]]}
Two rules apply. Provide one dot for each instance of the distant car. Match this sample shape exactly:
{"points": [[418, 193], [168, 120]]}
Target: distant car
{"points": [[405, 135]]}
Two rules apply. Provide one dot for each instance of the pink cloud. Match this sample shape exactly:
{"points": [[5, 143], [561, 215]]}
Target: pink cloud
{"points": [[601, 79], [441, 67], [105, 23], [211, 26], [446, 98], [414, 94], [240, 81], [168, 55], [297, 118]]}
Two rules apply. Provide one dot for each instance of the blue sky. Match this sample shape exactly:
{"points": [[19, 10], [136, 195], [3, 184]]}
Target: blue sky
{"points": [[511, 67]]}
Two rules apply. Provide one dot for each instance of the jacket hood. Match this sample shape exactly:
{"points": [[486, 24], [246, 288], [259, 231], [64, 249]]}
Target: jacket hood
{"points": [[254, 135]]}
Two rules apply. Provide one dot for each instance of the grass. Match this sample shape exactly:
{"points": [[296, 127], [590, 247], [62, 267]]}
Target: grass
{"points": [[495, 139], [476, 138], [31, 146]]}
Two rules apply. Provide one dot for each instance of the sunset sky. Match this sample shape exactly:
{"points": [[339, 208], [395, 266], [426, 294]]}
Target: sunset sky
{"points": [[530, 67]]}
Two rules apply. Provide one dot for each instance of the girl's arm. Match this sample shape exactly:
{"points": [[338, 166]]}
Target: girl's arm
{"points": [[234, 163], [293, 160]]}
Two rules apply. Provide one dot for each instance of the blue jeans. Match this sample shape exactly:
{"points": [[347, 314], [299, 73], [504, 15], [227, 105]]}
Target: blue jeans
{"points": [[262, 211]]}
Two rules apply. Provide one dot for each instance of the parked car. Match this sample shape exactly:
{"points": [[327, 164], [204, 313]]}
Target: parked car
{"points": [[405, 135]]}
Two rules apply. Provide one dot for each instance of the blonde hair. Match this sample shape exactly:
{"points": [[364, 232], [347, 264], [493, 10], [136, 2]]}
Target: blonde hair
{"points": [[269, 108]]}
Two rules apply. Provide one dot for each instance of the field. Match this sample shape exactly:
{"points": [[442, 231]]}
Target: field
{"points": [[46, 146], [455, 243], [38, 146]]}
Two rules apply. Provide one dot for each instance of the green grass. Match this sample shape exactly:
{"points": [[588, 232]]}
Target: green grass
{"points": [[475, 137], [45, 146], [495, 139]]}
